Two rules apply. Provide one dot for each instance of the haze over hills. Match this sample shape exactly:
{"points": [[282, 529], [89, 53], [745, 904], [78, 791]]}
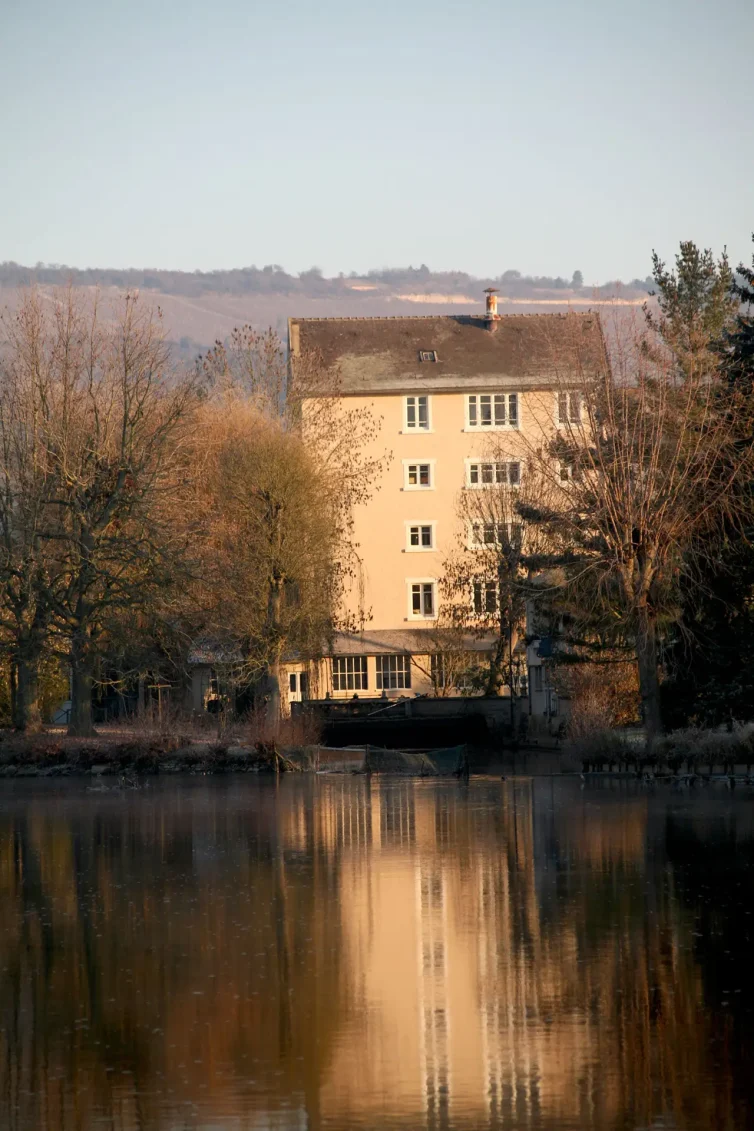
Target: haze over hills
{"points": [[200, 307]]}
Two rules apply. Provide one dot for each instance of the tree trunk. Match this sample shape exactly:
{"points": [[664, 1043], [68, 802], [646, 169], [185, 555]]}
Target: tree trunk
{"points": [[13, 681], [26, 714], [82, 682], [272, 692], [649, 680], [501, 663], [498, 662]]}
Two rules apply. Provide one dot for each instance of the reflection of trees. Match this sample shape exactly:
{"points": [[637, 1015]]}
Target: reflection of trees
{"points": [[711, 854], [156, 953], [503, 954], [591, 1001]]}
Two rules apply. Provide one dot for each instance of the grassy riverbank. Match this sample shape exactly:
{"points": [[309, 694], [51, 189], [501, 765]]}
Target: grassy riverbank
{"points": [[53, 755], [131, 757], [136, 751]]}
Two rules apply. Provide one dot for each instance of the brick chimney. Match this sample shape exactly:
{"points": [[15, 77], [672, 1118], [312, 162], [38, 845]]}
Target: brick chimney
{"points": [[491, 317]]}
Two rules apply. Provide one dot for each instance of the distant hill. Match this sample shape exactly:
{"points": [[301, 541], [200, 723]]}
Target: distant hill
{"points": [[202, 306]]}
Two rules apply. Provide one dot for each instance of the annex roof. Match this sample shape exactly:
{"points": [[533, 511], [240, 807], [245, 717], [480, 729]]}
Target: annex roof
{"points": [[210, 651], [373, 355], [381, 641]]}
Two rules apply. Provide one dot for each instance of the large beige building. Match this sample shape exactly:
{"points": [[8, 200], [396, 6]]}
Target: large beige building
{"points": [[446, 390]]}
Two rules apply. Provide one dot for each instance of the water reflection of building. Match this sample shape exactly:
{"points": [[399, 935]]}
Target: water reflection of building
{"points": [[432, 974], [465, 1010]]}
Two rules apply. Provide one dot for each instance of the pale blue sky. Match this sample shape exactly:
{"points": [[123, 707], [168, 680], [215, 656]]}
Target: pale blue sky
{"points": [[545, 135]]}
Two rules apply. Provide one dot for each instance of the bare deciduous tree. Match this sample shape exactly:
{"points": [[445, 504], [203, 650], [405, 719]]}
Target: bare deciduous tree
{"points": [[304, 395], [251, 364], [651, 457], [269, 536], [487, 579], [101, 421], [30, 352], [285, 462], [117, 444], [452, 663]]}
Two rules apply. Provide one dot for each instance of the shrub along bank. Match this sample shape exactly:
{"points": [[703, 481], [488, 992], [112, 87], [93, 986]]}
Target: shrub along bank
{"points": [[690, 750], [131, 758]]}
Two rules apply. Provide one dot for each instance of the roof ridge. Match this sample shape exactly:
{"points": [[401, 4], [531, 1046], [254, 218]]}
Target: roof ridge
{"points": [[435, 317]]}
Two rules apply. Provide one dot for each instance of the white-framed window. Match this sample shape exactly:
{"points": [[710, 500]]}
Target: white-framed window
{"points": [[464, 682], [416, 414], [443, 677], [349, 673], [427, 355], [419, 536], [393, 672], [564, 472], [568, 407], [535, 677], [486, 411], [438, 671], [485, 597], [418, 475], [490, 473], [422, 598], [484, 533]]}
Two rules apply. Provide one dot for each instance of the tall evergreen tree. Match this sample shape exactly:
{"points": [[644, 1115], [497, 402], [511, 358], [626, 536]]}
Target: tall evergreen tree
{"points": [[738, 342], [710, 658], [696, 306]]}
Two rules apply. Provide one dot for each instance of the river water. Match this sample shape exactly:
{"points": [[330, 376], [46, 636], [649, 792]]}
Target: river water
{"points": [[346, 953]]}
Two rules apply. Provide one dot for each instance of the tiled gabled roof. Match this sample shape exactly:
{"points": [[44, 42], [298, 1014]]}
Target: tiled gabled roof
{"points": [[383, 354]]}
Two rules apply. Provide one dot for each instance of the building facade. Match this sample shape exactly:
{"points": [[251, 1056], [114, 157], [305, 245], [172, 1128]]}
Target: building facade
{"points": [[446, 392]]}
